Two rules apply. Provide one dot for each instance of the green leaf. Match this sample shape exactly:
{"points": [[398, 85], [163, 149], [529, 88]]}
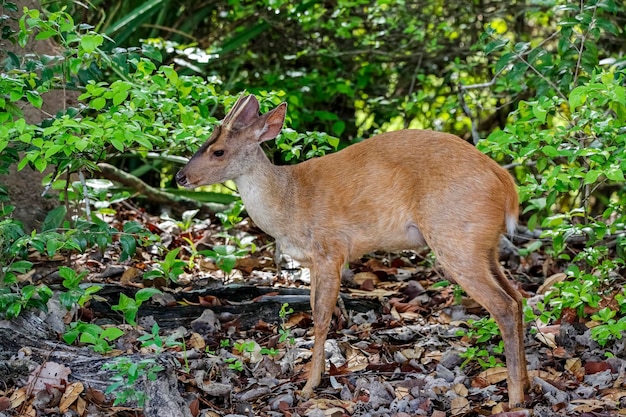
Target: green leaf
{"points": [[119, 97], [34, 98], [495, 45], [577, 97], [227, 263], [615, 174], [117, 144], [245, 35], [88, 338], [539, 112], [171, 256], [132, 227], [54, 219], [592, 176], [129, 246], [70, 336], [90, 42], [111, 333], [21, 266], [145, 294], [98, 103], [54, 149]]}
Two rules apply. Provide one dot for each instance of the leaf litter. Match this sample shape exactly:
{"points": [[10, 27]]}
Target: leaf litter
{"points": [[393, 347]]}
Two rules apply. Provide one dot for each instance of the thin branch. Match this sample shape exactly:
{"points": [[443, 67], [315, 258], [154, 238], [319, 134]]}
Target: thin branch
{"points": [[582, 41], [155, 195], [81, 175], [468, 113]]}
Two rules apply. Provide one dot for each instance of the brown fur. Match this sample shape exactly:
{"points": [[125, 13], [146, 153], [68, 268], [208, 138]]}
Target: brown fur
{"points": [[398, 190]]}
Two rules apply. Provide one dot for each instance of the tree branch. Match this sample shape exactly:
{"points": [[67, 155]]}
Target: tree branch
{"points": [[179, 203]]}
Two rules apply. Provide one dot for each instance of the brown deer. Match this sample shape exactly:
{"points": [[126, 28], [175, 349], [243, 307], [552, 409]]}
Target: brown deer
{"points": [[398, 190]]}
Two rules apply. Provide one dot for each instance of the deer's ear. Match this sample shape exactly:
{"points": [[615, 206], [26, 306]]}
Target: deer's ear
{"points": [[244, 112], [271, 123]]}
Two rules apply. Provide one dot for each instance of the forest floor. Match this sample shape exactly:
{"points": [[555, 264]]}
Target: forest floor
{"points": [[403, 342]]}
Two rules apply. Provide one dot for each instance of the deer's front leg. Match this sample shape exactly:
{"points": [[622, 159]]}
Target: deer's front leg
{"points": [[325, 281]]}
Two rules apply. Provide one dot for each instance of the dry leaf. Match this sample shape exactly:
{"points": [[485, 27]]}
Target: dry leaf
{"points": [[196, 341], [461, 390], [587, 406], [550, 281], [402, 392], [296, 318], [596, 367], [414, 353], [50, 373], [494, 375], [435, 355], [70, 395], [459, 406], [378, 293], [129, 276], [361, 277], [357, 361], [548, 339], [614, 394], [332, 405], [573, 365], [5, 403], [81, 406], [18, 397]]}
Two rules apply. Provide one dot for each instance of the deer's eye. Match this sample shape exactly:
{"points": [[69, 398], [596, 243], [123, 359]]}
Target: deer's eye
{"points": [[219, 152]]}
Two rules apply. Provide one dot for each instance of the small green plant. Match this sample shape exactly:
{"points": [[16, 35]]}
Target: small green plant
{"points": [[169, 268], [457, 291], [235, 364], [232, 216], [248, 346], [97, 337], [187, 220], [610, 328], [130, 306], [270, 352], [285, 334], [581, 292], [483, 332], [12, 303], [482, 355], [154, 341], [225, 256], [75, 294], [127, 375]]}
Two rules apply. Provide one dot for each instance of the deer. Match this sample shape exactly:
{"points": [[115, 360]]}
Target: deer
{"points": [[400, 190]]}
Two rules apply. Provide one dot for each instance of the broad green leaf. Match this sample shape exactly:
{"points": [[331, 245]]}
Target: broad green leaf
{"points": [[21, 266], [539, 112], [111, 333], [145, 294], [34, 98], [592, 176], [98, 103], [90, 42], [54, 218], [495, 45], [129, 245], [117, 144], [577, 97], [615, 174]]}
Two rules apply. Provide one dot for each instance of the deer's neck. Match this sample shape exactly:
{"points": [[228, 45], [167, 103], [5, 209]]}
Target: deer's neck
{"points": [[267, 191]]}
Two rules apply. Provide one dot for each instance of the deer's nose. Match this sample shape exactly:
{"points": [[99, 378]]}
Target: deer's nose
{"points": [[181, 178]]}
